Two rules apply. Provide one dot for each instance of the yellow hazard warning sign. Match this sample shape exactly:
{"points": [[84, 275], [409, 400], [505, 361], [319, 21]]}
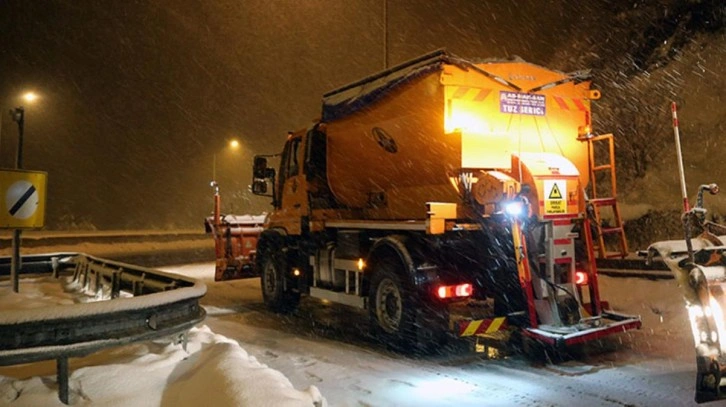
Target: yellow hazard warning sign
{"points": [[555, 193]]}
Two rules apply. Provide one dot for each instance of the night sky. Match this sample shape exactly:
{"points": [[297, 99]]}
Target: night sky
{"points": [[137, 96]]}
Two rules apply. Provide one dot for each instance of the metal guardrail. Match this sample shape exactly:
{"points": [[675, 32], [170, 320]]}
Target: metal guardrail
{"points": [[138, 304], [42, 238]]}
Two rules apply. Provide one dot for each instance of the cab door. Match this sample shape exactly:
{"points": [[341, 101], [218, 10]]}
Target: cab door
{"points": [[292, 186]]}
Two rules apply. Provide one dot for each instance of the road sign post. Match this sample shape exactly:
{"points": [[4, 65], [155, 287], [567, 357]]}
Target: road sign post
{"points": [[18, 115], [24, 197]]}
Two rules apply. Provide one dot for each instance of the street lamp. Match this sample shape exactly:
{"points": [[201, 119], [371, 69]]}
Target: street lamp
{"points": [[30, 97], [18, 115], [233, 144]]}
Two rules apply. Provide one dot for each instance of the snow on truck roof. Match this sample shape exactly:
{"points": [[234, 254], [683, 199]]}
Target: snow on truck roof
{"points": [[350, 98], [357, 95]]}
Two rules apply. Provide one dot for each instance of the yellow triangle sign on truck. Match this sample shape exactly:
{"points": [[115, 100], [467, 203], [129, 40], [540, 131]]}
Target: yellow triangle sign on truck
{"points": [[555, 192]]}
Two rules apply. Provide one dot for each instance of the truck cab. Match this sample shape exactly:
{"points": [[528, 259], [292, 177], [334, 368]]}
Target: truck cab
{"points": [[300, 183]]}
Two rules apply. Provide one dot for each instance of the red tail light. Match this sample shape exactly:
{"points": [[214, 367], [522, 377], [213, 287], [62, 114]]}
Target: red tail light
{"points": [[452, 291], [580, 278]]}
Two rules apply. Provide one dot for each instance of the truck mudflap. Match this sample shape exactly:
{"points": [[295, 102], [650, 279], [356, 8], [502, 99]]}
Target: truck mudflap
{"points": [[608, 323], [464, 328]]}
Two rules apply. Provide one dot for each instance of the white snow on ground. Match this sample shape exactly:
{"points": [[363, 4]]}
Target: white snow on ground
{"points": [[263, 358], [654, 366], [214, 370]]}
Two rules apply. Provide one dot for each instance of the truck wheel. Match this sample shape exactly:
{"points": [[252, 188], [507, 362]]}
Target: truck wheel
{"points": [[391, 310], [274, 294]]}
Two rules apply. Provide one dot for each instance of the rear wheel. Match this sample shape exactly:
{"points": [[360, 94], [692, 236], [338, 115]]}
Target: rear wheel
{"points": [[391, 308], [273, 267]]}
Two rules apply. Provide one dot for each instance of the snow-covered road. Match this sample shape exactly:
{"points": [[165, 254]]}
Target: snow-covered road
{"points": [[325, 346]]}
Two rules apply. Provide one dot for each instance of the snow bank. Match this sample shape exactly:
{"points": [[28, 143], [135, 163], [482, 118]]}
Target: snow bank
{"points": [[214, 370], [225, 370]]}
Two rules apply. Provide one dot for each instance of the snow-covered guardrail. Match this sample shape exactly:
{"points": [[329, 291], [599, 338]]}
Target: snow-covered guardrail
{"points": [[149, 248], [42, 238], [134, 304]]}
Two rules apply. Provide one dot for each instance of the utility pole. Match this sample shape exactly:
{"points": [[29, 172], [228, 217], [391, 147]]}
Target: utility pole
{"points": [[385, 34], [18, 115]]}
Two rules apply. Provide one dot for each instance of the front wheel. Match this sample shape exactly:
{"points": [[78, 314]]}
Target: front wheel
{"points": [[275, 293]]}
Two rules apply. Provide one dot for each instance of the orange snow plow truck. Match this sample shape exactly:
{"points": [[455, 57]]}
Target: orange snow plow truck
{"points": [[445, 197]]}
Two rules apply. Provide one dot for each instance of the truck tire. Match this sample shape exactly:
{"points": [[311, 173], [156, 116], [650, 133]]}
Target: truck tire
{"points": [[273, 267], [391, 308]]}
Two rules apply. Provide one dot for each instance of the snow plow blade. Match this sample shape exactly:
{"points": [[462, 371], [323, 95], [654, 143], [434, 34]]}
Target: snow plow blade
{"points": [[703, 280], [699, 266], [597, 328], [235, 244]]}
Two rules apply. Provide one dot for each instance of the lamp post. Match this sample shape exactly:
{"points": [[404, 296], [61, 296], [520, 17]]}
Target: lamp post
{"points": [[385, 34], [233, 145], [18, 115]]}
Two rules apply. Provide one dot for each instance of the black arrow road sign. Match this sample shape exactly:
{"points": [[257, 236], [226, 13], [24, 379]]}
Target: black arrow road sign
{"points": [[19, 204]]}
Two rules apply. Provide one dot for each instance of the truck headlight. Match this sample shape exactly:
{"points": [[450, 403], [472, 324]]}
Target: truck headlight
{"points": [[514, 208]]}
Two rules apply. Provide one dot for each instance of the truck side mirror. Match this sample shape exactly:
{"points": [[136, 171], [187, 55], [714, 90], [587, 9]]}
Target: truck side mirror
{"points": [[259, 169], [259, 187]]}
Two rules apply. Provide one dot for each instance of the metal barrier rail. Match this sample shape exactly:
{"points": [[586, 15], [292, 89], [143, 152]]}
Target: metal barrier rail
{"points": [[142, 304], [43, 239]]}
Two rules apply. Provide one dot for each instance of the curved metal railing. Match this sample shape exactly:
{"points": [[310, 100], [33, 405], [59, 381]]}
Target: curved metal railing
{"points": [[135, 304]]}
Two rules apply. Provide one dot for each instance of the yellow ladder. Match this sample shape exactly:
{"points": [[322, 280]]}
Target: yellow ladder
{"points": [[598, 201]]}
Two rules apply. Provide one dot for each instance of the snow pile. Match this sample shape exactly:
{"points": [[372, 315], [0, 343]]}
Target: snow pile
{"points": [[226, 371], [214, 370]]}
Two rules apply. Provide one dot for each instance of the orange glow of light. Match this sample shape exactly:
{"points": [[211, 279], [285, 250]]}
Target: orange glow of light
{"points": [[462, 115], [441, 292], [30, 97], [462, 120], [451, 291], [581, 278], [464, 290]]}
